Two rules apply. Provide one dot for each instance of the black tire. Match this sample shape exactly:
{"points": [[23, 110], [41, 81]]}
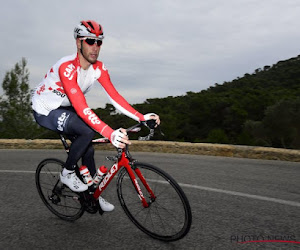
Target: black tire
{"points": [[169, 217], [58, 198]]}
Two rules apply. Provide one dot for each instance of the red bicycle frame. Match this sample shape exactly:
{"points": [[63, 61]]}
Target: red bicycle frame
{"points": [[123, 161]]}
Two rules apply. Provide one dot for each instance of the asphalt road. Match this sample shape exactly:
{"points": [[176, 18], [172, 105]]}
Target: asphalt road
{"points": [[234, 202]]}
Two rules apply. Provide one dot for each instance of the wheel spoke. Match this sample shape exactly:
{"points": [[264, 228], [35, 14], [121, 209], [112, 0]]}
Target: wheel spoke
{"points": [[168, 216], [64, 203]]}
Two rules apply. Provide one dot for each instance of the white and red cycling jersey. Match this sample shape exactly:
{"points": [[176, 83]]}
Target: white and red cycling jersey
{"points": [[65, 85]]}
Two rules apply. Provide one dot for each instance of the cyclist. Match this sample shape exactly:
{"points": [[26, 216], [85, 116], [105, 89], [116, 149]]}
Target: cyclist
{"points": [[59, 104]]}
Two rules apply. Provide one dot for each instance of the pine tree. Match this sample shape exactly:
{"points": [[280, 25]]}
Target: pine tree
{"points": [[16, 119]]}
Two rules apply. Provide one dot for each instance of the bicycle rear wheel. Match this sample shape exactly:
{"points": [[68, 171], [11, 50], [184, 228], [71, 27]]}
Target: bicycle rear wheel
{"points": [[168, 217], [58, 198]]}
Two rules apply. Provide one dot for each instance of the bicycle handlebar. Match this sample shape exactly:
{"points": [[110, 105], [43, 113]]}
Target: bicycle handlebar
{"points": [[137, 128], [134, 129]]}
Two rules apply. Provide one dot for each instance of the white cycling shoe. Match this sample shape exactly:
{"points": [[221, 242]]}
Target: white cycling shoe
{"points": [[105, 205], [73, 182]]}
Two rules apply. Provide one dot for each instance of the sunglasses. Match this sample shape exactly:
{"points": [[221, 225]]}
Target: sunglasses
{"points": [[92, 41]]}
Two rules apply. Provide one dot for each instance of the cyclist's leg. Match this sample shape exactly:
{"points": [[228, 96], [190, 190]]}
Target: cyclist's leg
{"points": [[66, 121], [82, 147], [88, 157], [82, 142]]}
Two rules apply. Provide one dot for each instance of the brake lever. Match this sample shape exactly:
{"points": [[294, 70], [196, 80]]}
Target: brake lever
{"points": [[147, 137], [151, 134]]}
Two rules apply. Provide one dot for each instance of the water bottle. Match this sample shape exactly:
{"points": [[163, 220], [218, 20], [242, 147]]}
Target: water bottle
{"points": [[85, 173], [102, 170]]}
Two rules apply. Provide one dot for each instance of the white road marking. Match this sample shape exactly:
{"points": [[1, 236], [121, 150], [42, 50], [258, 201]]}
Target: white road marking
{"points": [[216, 190], [251, 196], [17, 171]]}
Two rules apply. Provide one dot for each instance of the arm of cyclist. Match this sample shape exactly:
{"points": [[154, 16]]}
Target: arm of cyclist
{"points": [[78, 101], [120, 103], [116, 99]]}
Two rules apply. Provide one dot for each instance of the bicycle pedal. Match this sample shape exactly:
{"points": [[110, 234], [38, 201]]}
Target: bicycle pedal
{"points": [[91, 209], [91, 206]]}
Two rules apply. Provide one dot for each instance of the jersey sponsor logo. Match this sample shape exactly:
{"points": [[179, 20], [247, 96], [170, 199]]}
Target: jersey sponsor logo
{"points": [[59, 91], [91, 116], [41, 89], [103, 67], [61, 121], [73, 91], [69, 71]]}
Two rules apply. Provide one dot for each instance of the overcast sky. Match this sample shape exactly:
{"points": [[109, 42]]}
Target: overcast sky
{"points": [[155, 48]]}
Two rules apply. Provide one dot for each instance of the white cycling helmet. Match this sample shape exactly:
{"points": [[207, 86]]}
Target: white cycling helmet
{"points": [[88, 28]]}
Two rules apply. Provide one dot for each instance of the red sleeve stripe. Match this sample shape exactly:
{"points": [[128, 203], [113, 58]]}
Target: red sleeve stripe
{"points": [[136, 116], [116, 99]]}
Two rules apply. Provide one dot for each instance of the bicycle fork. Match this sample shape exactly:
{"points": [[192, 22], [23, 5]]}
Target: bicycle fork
{"points": [[131, 172], [146, 185]]}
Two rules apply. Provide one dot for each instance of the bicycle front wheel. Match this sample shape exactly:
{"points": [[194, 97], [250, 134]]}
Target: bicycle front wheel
{"points": [[58, 198], [168, 217]]}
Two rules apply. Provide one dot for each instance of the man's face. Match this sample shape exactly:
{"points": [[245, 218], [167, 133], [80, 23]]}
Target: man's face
{"points": [[90, 49]]}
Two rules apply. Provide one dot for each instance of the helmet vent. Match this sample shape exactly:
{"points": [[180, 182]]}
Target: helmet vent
{"points": [[91, 25]]}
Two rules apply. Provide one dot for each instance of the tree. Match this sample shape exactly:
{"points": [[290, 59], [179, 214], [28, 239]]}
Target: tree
{"points": [[16, 119], [281, 125], [217, 136]]}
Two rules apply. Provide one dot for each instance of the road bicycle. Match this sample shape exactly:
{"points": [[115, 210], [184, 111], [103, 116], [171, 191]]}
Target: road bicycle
{"points": [[150, 197]]}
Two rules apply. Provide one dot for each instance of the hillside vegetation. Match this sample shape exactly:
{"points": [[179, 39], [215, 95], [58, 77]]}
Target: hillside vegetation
{"points": [[262, 108]]}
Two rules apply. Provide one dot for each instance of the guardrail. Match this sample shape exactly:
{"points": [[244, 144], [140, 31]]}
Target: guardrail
{"points": [[172, 147]]}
